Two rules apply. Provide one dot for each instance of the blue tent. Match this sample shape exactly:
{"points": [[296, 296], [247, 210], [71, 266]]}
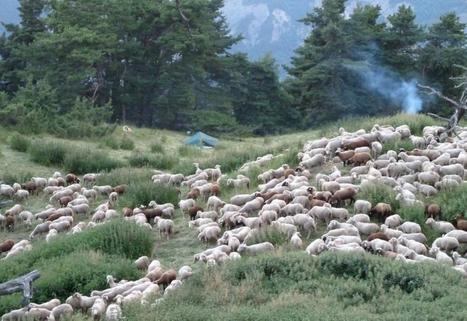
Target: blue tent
{"points": [[201, 139]]}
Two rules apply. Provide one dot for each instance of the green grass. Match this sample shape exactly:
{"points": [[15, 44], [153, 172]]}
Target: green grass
{"points": [[81, 261], [157, 148], [159, 161], [452, 202], [142, 193], [299, 287], [48, 153], [127, 143], [397, 144], [19, 143], [85, 160]]}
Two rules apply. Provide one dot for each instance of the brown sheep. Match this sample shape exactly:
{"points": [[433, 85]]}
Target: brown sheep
{"points": [[166, 278], [343, 195], [283, 197], [193, 211], [461, 223], [5, 246], [10, 221], [344, 156], [266, 195], [54, 216], [155, 274], [315, 202], [215, 190], [120, 189], [355, 143], [322, 196], [378, 235], [151, 213], [72, 179], [289, 172], [127, 212], [381, 211], [359, 159], [433, 210], [194, 193], [63, 201], [30, 186]]}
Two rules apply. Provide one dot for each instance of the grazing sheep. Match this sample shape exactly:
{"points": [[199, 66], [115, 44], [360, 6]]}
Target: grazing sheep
{"points": [[343, 195], [446, 243], [165, 226], [296, 240], [209, 234], [433, 211], [362, 206], [415, 246], [440, 256], [256, 249], [184, 272], [214, 203], [440, 226], [410, 227], [381, 211], [166, 278], [62, 311]]}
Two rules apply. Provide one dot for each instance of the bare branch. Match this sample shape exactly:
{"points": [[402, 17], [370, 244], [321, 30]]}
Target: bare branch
{"points": [[437, 117], [433, 91]]}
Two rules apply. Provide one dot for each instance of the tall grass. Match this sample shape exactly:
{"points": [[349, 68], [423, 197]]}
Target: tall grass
{"points": [[124, 175], [20, 143], [157, 148], [452, 202], [329, 287], [48, 153], [18, 177], [159, 161], [80, 271], [142, 193], [127, 143], [397, 144], [379, 193], [84, 160], [113, 238]]}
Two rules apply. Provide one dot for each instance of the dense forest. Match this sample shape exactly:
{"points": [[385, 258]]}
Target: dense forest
{"points": [[71, 67]]}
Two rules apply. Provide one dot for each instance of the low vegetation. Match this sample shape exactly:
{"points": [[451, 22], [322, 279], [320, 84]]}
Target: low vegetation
{"points": [[20, 143], [328, 287]]}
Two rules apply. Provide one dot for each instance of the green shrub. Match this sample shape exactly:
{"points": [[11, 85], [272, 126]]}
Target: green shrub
{"points": [[397, 144], [48, 153], [127, 144], [379, 193], [117, 237], [110, 142], [18, 177], [19, 143], [162, 162], [157, 148], [269, 234], [82, 160], [142, 193], [81, 271], [124, 175], [414, 213], [452, 202]]}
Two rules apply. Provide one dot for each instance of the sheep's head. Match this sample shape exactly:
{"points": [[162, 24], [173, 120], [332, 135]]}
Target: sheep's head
{"points": [[429, 221]]}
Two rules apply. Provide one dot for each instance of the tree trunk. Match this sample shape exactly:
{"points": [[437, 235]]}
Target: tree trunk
{"points": [[22, 283]]}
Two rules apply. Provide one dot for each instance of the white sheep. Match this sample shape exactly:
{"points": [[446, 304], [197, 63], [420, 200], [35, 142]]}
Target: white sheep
{"points": [[441, 256], [446, 243], [256, 248], [296, 240], [410, 227], [390, 233], [440, 226], [210, 233], [113, 312], [165, 226], [214, 203], [393, 221], [362, 207], [415, 246]]}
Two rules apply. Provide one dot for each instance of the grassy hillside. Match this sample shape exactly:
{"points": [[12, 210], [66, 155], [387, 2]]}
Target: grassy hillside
{"points": [[284, 286]]}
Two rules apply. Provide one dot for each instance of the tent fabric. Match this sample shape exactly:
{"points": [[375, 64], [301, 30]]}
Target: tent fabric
{"points": [[200, 138]]}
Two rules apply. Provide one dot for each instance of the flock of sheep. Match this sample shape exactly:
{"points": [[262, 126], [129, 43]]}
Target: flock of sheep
{"points": [[292, 201]]}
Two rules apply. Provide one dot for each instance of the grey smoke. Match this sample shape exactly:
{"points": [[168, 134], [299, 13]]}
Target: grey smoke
{"points": [[399, 91]]}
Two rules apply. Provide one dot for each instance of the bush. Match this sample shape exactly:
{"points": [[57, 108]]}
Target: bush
{"points": [[142, 193], [81, 161], [48, 153], [157, 148], [452, 202], [81, 271], [269, 234], [414, 213], [162, 162], [189, 151], [18, 177], [127, 144], [19, 143], [110, 142], [124, 175], [379, 193], [397, 144]]}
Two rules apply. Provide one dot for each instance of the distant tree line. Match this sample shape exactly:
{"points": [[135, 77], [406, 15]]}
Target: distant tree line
{"points": [[72, 65]]}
